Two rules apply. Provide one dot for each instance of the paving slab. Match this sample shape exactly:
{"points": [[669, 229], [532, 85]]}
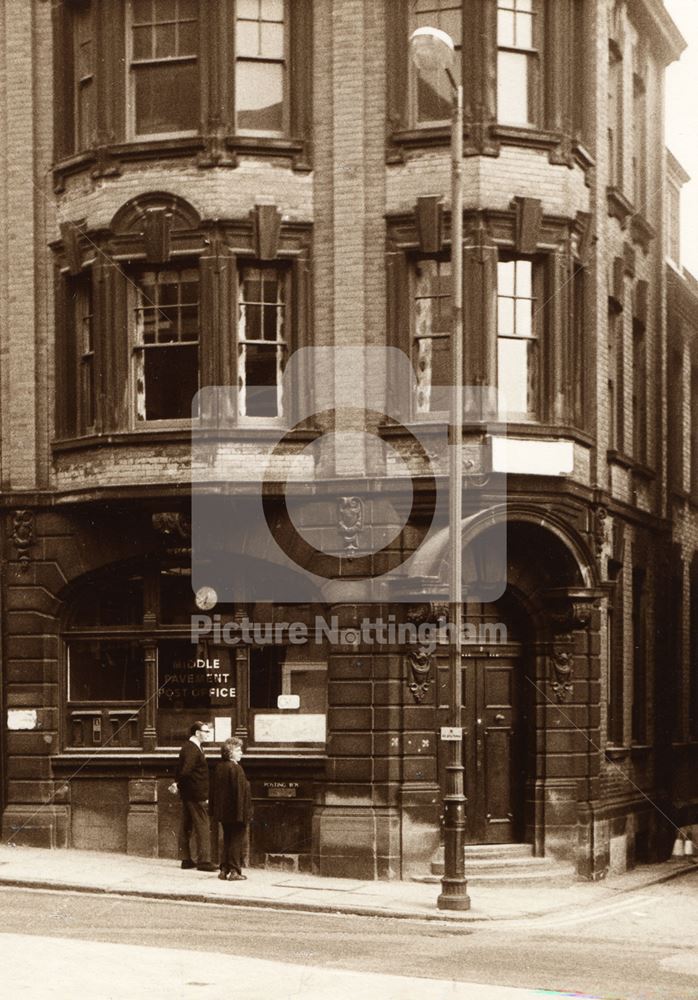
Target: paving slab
{"points": [[162, 878]]}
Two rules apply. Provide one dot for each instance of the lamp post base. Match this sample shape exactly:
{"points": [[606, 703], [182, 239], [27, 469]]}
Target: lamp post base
{"points": [[453, 895]]}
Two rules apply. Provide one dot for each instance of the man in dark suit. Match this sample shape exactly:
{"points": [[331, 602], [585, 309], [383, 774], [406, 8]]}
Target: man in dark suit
{"points": [[192, 784]]}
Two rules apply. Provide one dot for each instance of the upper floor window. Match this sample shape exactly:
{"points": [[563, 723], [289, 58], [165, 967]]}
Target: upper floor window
{"points": [[84, 75], [164, 66], [431, 337], [615, 119], [518, 62], [208, 76], [260, 66], [135, 355], [518, 335], [166, 343], [431, 97], [261, 337]]}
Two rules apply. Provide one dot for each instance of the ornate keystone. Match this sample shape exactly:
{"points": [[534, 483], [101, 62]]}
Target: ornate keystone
{"points": [[419, 661]]}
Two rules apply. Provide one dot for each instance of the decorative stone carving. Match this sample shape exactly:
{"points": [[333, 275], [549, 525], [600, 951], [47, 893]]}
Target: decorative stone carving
{"points": [[23, 535], [351, 521], [419, 661], [562, 662]]}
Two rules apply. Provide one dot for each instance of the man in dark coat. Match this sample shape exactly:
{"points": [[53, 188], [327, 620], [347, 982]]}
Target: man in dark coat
{"points": [[192, 784], [231, 805]]}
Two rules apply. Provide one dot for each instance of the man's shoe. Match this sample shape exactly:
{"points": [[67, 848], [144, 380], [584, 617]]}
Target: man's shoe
{"points": [[237, 878], [188, 864], [207, 867]]}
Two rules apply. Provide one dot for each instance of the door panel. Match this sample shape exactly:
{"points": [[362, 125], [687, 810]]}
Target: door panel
{"points": [[492, 748]]}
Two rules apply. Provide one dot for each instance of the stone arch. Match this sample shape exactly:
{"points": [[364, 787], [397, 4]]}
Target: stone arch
{"points": [[131, 217]]}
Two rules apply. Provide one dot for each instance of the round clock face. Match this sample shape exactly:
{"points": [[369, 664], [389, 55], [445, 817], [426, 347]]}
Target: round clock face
{"points": [[206, 598]]}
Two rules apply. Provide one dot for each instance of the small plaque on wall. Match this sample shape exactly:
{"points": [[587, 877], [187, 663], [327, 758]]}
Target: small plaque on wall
{"points": [[21, 718]]}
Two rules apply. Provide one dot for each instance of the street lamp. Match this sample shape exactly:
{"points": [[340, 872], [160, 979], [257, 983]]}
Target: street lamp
{"points": [[433, 50]]}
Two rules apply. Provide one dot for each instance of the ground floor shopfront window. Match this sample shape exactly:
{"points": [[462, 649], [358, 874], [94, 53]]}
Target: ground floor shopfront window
{"points": [[135, 678]]}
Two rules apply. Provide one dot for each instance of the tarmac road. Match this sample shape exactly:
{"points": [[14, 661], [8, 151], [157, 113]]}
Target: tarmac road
{"points": [[640, 946]]}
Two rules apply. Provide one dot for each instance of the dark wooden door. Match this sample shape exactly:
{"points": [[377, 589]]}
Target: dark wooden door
{"points": [[493, 747]]}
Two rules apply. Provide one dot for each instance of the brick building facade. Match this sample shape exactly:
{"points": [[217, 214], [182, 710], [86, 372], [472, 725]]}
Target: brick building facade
{"points": [[190, 193]]}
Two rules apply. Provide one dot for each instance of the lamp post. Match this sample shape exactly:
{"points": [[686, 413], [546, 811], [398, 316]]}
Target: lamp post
{"points": [[433, 50]]}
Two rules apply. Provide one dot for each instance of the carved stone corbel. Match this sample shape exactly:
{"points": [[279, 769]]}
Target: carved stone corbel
{"points": [[23, 535], [351, 521], [562, 670]]}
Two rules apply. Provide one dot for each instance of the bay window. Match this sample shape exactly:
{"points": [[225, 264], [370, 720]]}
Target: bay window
{"points": [[166, 343], [204, 78], [518, 69]]}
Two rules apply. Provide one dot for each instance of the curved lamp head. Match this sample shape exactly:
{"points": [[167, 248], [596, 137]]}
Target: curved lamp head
{"points": [[432, 49]]}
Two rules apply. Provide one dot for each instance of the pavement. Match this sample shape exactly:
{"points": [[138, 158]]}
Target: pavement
{"points": [[162, 878]]}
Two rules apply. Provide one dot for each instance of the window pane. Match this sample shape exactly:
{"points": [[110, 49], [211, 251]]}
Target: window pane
{"points": [[187, 9], [259, 91], [261, 370], [433, 374], [171, 381], [247, 38], [252, 316], [272, 10], [176, 598], [142, 41], [248, 8], [142, 11], [271, 321], [265, 676], [505, 277], [512, 376], [505, 27], [167, 98], [512, 88], [188, 36], [524, 31], [120, 602], [272, 41], [524, 318], [505, 317], [106, 671], [434, 101], [165, 41], [524, 271]]}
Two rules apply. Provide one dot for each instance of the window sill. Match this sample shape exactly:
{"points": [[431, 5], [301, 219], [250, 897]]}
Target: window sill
{"points": [[616, 752], [95, 758], [172, 435], [638, 469], [429, 136], [618, 205], [209, 151], [425, 427], [640, 749], [641, 231]]}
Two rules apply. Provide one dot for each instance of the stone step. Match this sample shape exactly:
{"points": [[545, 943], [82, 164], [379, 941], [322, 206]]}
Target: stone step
{"points": [[500, 863], [558, 875]]}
